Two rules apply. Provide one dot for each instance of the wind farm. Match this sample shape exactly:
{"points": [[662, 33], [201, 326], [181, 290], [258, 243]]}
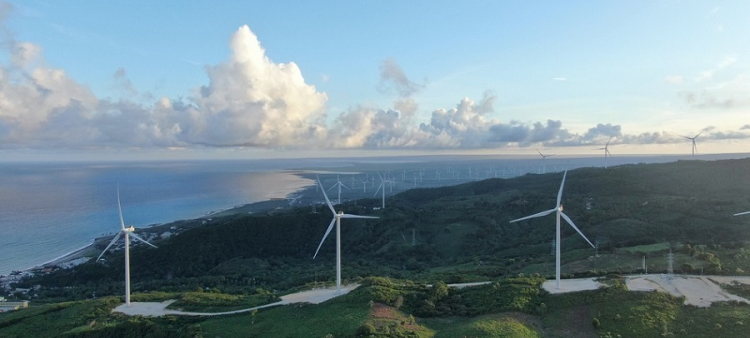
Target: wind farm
{"points": [[493, 250], [462, 129]]}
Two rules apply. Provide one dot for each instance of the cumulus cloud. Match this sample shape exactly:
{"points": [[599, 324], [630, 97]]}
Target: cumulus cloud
{"points": [[251, 101], [602, 132]]}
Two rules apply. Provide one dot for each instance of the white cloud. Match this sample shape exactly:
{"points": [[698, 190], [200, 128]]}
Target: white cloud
{"points": [[252, 101]]}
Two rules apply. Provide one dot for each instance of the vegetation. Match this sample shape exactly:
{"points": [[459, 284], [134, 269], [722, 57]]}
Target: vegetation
{"points": [[462, 234]]}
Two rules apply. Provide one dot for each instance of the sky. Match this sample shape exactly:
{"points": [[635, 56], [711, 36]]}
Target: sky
{"points": [[172, 79]]}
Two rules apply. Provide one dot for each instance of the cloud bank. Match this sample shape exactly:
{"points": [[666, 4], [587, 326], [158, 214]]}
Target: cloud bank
{"points": [[251, 101]]}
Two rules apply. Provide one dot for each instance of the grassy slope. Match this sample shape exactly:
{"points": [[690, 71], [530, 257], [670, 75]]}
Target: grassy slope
{"points": [[339, 317]]}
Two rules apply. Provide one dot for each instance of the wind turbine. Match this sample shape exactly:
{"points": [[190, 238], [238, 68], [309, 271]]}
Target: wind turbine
{"points": [[128, 232], [558, 209], [337, 219], [544, 157], [338, 184], [381, 187], [695, 147], [606, 152]]}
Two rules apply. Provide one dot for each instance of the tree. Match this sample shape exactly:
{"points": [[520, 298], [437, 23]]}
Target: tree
{"points": [[399, 302], [439, 291]]}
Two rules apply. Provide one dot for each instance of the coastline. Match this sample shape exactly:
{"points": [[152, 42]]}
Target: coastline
{"points": [[268, 205], [65, 257]]}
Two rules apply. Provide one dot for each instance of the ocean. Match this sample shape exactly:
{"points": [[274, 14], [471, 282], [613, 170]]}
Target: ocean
{"points": [[50, 209]]}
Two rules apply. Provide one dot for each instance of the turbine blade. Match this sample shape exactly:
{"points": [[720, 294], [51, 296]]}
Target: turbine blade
{"points": [[119, 207], [333, 186], [742, 213], [559, 194], [330, 227], [610, 140], [358, 216], [567, 219], [376, 191], [142, 240], [108, 246], [540, 214], [344, 185], [699, 134], [330, 206]]}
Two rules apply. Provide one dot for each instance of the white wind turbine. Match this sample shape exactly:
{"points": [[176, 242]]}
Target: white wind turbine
{"points": [[337, 219], [128, 232], [364, 185], [338, 184], [381, 187], [606, 152], [544, 157], [559, 210], [695, 147]]}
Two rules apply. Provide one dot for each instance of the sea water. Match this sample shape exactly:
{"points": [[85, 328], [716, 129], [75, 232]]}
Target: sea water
{"points": [[50, 209]]}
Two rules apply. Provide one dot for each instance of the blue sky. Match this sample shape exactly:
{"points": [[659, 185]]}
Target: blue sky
{"points": [[373, 77]]}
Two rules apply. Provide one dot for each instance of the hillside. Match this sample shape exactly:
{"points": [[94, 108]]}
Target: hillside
{"points": [[459, 234]]}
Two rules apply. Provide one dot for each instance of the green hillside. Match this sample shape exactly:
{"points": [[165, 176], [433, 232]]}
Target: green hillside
{"points": [[450, 234]]}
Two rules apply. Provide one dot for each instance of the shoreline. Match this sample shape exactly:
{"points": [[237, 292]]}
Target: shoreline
{"points": [[64, 257], [259, 206]]}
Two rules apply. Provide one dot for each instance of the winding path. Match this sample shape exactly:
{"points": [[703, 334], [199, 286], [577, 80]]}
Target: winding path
{"points": [[157, 309]]}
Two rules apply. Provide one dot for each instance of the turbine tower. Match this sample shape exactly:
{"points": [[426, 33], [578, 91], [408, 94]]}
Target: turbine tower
{"points": [[382, 187], [695, 147], [606, 152], [336, 219], [558, 209], [128, 232], [339, 185], [544, 157]]}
